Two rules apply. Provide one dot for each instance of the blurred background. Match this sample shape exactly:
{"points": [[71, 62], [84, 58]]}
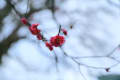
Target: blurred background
{"points": [[93, 30]]}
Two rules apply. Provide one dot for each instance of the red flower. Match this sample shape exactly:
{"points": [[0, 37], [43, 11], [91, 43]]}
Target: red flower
{"points": [[24, 20], [34, 29], [64, 31], [39, 37], [49, 46], [57, 40]]}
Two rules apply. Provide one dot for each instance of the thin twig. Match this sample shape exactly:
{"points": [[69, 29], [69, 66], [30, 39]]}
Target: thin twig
{"points": [[112, 52], [81, 72], [56, 61], [59, 29], [74, 59]]}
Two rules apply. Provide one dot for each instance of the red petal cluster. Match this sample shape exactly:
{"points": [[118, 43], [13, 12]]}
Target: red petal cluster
{"points": [[39, 36], [64, 32], [57, 40], [34, 29], [49, 45], [24, 20]]}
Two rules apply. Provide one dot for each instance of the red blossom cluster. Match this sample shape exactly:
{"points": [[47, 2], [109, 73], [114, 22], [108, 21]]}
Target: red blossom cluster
{"points": [[55, 41], [35, 31]]}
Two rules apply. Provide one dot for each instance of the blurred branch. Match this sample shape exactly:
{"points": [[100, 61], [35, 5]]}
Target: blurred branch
{"points": [[114, 4], [13, 7], [3, 13], [13, 37], [28, 4], [7, 42], [53, 6]]}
